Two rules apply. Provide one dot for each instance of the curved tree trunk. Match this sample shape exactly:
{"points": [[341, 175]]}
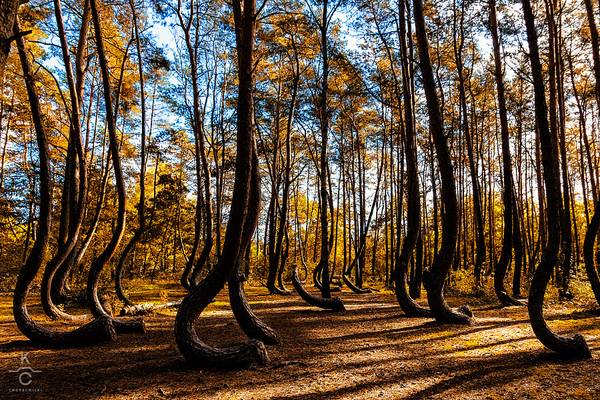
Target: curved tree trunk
{"points": [[252, 326], [59, 284], [271, 228], [354, 287], [280, 253], [362, 241], [323, 162], [434, 278], [507, 193], [142, 203], [63, 254], [60, 281], [98, 330], [204, 196], [328, 303], [189, 343], [594, 225], [575, 346], [413, 211], [417, 277], [518, 248], [122, 326]]}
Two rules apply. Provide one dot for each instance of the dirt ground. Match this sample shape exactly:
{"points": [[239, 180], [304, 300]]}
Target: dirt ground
{"points": [[369, 351]]}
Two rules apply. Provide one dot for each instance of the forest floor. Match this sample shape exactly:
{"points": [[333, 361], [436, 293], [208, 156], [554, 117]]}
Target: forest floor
{"points": [[369, 351]]}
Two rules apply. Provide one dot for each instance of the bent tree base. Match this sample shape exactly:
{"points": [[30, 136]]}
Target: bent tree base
{"points": [[588, 253], [574, 347], [353, 287], [252, 326], [440, 309], [96, 331], [410, 307], [333, 303], [195, 351]]}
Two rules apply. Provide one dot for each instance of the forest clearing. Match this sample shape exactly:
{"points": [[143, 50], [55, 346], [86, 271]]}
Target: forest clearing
{"points": [[371, 351], [299, 199]]}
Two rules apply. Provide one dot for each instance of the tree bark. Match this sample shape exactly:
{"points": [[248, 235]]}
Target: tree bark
{"points": [[479, 227], [575, 346], [507, 193], [189, 343], [413, 212], [122, 326], [434, 278], [60, 280], [137, 235], [98, 330], [594, 226], [8, 16], [252, 326], [76, 217]]}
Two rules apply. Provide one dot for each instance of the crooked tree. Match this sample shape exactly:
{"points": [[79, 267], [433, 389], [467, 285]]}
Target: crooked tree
{"points": [[434, 277], [575, 346], [195, 351]]}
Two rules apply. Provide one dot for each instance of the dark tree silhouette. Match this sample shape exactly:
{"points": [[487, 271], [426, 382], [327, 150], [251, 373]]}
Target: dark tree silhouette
{"points": [[100, 329], [434, 277], [190, 345], [566, 346], [8, 15], [507, 175], [137, 235], [121, 325], [413, 212], [594, 226]]}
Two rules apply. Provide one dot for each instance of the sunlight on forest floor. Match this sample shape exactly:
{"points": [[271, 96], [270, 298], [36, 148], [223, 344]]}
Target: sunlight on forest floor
{"points": [[370, 351]]}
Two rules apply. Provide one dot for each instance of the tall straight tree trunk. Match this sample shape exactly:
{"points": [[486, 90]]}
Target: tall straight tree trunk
{"points": [[556, 107], [479, 233], [137, 235], [323, 159], [575, 346], [283, 227], [434, 277], [273, 214]]}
